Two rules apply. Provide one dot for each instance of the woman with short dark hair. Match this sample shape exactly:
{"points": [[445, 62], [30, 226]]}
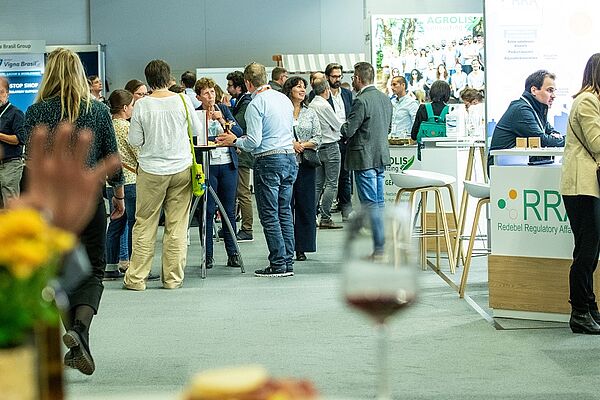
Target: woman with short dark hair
{"points": [[223, 174], [137, 88], [439, 95], [159, 127]]}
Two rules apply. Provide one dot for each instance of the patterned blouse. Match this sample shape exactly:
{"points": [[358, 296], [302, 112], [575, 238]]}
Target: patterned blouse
{"points": [[129, 154], [307, 127], [97, 119]]}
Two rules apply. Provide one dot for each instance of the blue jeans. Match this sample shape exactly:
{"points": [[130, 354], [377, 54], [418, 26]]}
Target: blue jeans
{"points": [[274, 178], [223, 180], [369, 186], [118, 226]]}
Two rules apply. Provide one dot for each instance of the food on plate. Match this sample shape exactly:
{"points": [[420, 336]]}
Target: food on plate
{"points": [[250, 382]]}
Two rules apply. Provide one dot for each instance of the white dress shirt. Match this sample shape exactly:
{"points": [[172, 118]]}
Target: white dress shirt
{"points": [[330, 123]]}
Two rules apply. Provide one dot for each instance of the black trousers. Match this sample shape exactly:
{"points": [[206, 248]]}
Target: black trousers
{"points": [[304, 210], [344, 194], [93, 238], [584, 216]]}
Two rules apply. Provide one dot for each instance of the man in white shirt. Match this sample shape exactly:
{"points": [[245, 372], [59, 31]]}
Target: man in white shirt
{"points": [[404, 109], [329, 153], [476, 79]]}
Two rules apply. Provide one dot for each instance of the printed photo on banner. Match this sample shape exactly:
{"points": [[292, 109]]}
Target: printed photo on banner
{"points": [[426, 48]]}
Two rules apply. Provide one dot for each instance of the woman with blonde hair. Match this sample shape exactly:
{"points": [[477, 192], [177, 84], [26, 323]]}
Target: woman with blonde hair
{"points": [[581, 197], [64, 96], [159, 127]]}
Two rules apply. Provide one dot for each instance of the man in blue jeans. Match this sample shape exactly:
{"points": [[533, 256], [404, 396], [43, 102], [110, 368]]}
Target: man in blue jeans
{"points": [[269, 126], [366, 129]]}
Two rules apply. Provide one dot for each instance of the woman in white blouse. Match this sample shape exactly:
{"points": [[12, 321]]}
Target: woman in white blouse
{"points": [[159, 128]]}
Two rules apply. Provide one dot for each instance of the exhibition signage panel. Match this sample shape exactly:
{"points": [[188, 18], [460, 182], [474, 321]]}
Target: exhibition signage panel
{"points": [[530, 35], [528, 218], [393, 38], [22, 62], [402, 157]]}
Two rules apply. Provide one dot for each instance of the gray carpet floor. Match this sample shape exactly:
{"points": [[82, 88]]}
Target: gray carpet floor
{"points": [[441, 348]]}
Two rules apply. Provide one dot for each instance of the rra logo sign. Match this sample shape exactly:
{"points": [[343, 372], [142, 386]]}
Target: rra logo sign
{"points": [[535, 205]]}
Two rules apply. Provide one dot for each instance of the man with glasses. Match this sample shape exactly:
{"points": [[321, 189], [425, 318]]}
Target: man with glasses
{"points": [[341, 101], [528, 115], [12, 138], [366, 130]]}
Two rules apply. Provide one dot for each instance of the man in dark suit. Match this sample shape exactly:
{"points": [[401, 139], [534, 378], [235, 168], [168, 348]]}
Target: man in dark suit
{"points": [[341, 101], [366, 131]]}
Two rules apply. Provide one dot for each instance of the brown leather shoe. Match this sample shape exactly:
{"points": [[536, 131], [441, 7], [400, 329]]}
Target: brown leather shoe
{"points": [[328, 224]]}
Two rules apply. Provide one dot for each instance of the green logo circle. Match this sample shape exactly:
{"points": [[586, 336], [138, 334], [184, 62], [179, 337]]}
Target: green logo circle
{"points": [[501, 204]]}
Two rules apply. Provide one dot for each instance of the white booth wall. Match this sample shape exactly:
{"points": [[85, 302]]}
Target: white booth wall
{"points": [[193, 34]]}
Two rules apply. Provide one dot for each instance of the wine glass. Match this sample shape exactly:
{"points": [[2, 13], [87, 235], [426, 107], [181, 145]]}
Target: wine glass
{"points": [[380, 281]]}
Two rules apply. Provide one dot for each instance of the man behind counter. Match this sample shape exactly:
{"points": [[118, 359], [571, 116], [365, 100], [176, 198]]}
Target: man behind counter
{"points": [[528, 116]]}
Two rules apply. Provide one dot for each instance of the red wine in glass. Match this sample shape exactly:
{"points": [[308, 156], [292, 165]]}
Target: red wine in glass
{"points": [[381, 306]]}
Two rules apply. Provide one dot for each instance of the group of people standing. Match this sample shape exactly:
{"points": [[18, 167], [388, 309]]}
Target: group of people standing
{"points": [[150, 132]]}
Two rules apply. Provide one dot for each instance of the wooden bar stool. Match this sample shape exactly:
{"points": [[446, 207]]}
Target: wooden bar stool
{"points": [[464, 200], [422, 182], [479, 191]]}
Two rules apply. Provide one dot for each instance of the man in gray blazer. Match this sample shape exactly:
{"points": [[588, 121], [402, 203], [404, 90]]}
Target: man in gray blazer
{"points": [[367, 129]]}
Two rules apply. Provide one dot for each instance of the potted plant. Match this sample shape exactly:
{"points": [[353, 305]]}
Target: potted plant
{"points": [[31, 251]]}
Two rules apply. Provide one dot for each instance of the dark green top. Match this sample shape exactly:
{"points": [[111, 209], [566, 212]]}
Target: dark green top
{"points": [[97, 119]]}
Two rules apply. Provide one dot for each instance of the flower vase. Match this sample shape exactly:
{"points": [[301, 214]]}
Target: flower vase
{"points": [[18, 375]]}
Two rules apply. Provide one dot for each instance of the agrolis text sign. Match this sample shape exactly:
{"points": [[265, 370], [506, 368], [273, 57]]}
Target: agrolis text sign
{"points": [[529, 219]]}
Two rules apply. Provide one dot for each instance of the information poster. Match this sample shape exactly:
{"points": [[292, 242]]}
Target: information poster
{"points": [[525, 36], [22, 62], [402, 43]]}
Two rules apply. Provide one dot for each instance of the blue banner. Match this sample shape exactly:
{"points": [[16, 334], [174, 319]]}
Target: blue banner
{"points": [[22, 63]]}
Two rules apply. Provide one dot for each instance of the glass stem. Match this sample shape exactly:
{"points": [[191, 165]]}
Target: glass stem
{"points": [[383, 378]]}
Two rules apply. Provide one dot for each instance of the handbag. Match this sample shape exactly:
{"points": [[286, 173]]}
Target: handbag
{"points": [[198, 178], [309, 157], [589, 152]]}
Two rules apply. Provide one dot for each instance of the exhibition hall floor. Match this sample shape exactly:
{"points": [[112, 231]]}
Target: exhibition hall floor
{"points": [[441, 348]]}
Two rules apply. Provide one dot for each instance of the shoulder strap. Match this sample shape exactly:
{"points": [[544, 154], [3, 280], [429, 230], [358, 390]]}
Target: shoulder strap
{"points": [[429, 109], [584, 146], [6, 108], [189, 127], [444, 113]]}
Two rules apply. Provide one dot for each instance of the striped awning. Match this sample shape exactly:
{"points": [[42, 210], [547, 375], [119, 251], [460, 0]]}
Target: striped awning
{"points": [[306, 63]]}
